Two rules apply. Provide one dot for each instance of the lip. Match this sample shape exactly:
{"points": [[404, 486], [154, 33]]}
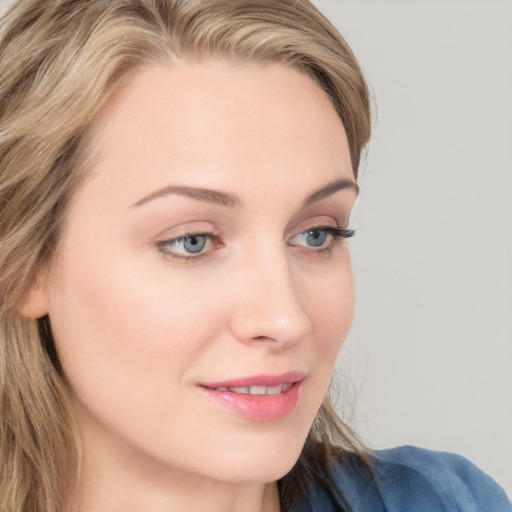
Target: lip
{"points": [[257, 407], [257, 380]]}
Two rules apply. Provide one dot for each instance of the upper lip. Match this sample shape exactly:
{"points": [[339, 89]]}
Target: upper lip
{"points": [[258, 380]]}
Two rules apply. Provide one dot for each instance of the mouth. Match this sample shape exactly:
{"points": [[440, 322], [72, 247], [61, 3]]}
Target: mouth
{"points": [[257, 390], [263, 397]]}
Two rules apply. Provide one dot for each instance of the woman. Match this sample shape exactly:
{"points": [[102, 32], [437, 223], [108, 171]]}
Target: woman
{"points": [[177, 180]]}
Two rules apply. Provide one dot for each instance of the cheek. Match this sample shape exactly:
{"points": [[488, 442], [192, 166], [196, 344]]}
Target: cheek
{"points": [[331, 306], [330, 302], [125, 331]]}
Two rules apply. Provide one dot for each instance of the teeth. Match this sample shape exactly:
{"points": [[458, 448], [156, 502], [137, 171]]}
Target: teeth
{"points": [[240, 389], [274, 390], [258, 390]]}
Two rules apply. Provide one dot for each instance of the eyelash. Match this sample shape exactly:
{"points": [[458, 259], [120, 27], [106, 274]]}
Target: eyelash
{"points": [[336, 233]]}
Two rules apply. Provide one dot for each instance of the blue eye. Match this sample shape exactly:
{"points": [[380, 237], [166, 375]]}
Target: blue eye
{"points": [[189, 246], [193, 243], [316, 237]]}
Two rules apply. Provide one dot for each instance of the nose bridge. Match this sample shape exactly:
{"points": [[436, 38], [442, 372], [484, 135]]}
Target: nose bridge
{"points": [[269, 306]]}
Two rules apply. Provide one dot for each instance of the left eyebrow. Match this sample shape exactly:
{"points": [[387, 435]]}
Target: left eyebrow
{"points": [[330, 189], [199, 194]]}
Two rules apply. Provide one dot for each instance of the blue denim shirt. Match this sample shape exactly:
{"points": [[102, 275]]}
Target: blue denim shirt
{"points": [[409, 479]]}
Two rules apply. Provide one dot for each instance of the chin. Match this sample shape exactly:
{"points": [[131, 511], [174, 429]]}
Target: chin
{"points": [[255, 472], [257, 461]]}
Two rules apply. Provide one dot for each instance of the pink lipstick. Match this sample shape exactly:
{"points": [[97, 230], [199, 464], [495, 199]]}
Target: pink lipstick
{"points": [[259, 397]]}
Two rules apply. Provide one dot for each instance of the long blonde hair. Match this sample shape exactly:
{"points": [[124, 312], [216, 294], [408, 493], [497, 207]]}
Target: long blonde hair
{"points": [[60, 62]]}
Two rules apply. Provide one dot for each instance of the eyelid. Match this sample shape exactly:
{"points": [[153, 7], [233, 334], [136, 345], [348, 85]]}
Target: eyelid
{"points": [[168, 239], [186, 229], [335, 231], [329, 225], [316, 222]]}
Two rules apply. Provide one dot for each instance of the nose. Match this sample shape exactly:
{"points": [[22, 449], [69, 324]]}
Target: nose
{"points": [[269, 305]]}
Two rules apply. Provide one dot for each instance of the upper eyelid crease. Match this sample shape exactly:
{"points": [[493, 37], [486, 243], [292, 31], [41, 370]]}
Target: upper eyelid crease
{"points": [[232, 201]]}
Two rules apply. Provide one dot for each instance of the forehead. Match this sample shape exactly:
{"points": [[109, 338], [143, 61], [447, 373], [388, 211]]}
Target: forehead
{"points": [[218, 124]]}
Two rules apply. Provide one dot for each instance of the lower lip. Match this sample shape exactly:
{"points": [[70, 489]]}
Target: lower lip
{"points": [[258, 407]]}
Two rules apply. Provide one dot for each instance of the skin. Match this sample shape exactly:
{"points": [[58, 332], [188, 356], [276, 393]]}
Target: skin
{"points": [[137, 330]]}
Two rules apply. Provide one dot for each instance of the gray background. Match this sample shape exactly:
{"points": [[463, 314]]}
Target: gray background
{"points": [[430, 354], [429, 357]]}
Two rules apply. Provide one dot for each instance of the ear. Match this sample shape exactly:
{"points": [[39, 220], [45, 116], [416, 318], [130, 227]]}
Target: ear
{"points": [[34, 302]]}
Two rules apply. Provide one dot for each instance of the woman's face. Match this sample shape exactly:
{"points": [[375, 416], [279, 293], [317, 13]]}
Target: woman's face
{"points": [[202, 288]]}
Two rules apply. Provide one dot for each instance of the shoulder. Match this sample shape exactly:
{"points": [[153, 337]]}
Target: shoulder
{"points": [[409, 479], [435, 479]]}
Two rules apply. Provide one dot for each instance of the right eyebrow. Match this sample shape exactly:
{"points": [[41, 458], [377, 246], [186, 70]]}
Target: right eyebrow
{"points": [[331, 188], [200, 194]]}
